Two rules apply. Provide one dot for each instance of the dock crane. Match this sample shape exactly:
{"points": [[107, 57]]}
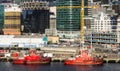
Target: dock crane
{"points": [[81, 16]]}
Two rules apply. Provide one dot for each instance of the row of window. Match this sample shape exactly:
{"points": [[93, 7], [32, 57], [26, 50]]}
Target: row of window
{"points": [[106, 41], [6, 26], [34, 4], [107, 22], [12, 17]]}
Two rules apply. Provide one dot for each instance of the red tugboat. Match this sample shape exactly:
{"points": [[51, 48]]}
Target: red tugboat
{"points": [[32, 58], [84, 59]]}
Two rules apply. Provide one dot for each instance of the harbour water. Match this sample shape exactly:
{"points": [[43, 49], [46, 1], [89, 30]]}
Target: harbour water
{"points": [[57, 66]]}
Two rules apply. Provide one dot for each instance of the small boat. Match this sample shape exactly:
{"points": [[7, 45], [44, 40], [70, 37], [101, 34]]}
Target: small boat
{"points": [[84, 59], [32, 58]]}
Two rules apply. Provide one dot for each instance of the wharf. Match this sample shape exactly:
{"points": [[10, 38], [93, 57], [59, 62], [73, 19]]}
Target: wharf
{"points": [[109, 55], [61, 53]]}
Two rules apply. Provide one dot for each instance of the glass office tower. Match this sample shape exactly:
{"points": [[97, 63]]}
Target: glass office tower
{"points": [[68, 19]]}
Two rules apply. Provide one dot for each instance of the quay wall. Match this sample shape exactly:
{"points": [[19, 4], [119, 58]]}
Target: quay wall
{"points": [[61, 53]]}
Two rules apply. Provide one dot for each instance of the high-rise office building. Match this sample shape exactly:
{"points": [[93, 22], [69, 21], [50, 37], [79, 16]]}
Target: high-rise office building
{"points": [[68, 19], [35, 16], [12, 19]]}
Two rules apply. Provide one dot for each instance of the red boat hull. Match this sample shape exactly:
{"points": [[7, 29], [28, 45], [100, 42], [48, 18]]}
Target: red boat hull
{"points": [[84, 59], [70, 62], [32, 58], [18, 61], [41, 61], [37, 62], [23, 61]]}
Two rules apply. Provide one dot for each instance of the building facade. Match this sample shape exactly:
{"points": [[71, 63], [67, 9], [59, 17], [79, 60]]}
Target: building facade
{"points": [[101, 23], [1, 18], [116, 7], [52, 29], [104, 23], [118, 22], [104, 38], [68, 19], [35, 16], [105, 30], [21, 41], [12, 19]]}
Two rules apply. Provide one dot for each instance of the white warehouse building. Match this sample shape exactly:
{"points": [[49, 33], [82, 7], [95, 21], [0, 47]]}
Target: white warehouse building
{"points": [[11, 40]]}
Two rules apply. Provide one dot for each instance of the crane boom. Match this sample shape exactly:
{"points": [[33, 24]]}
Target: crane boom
{"points": [[82, 22]]}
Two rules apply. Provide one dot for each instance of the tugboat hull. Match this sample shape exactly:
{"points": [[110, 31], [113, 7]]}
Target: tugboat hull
{"points": [[41, 61], [32, 58], [70, 62], [84, 59], [18, 61]]}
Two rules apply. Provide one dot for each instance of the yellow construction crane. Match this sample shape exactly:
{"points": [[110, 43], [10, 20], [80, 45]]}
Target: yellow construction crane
{"points": [[81, 16]]}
